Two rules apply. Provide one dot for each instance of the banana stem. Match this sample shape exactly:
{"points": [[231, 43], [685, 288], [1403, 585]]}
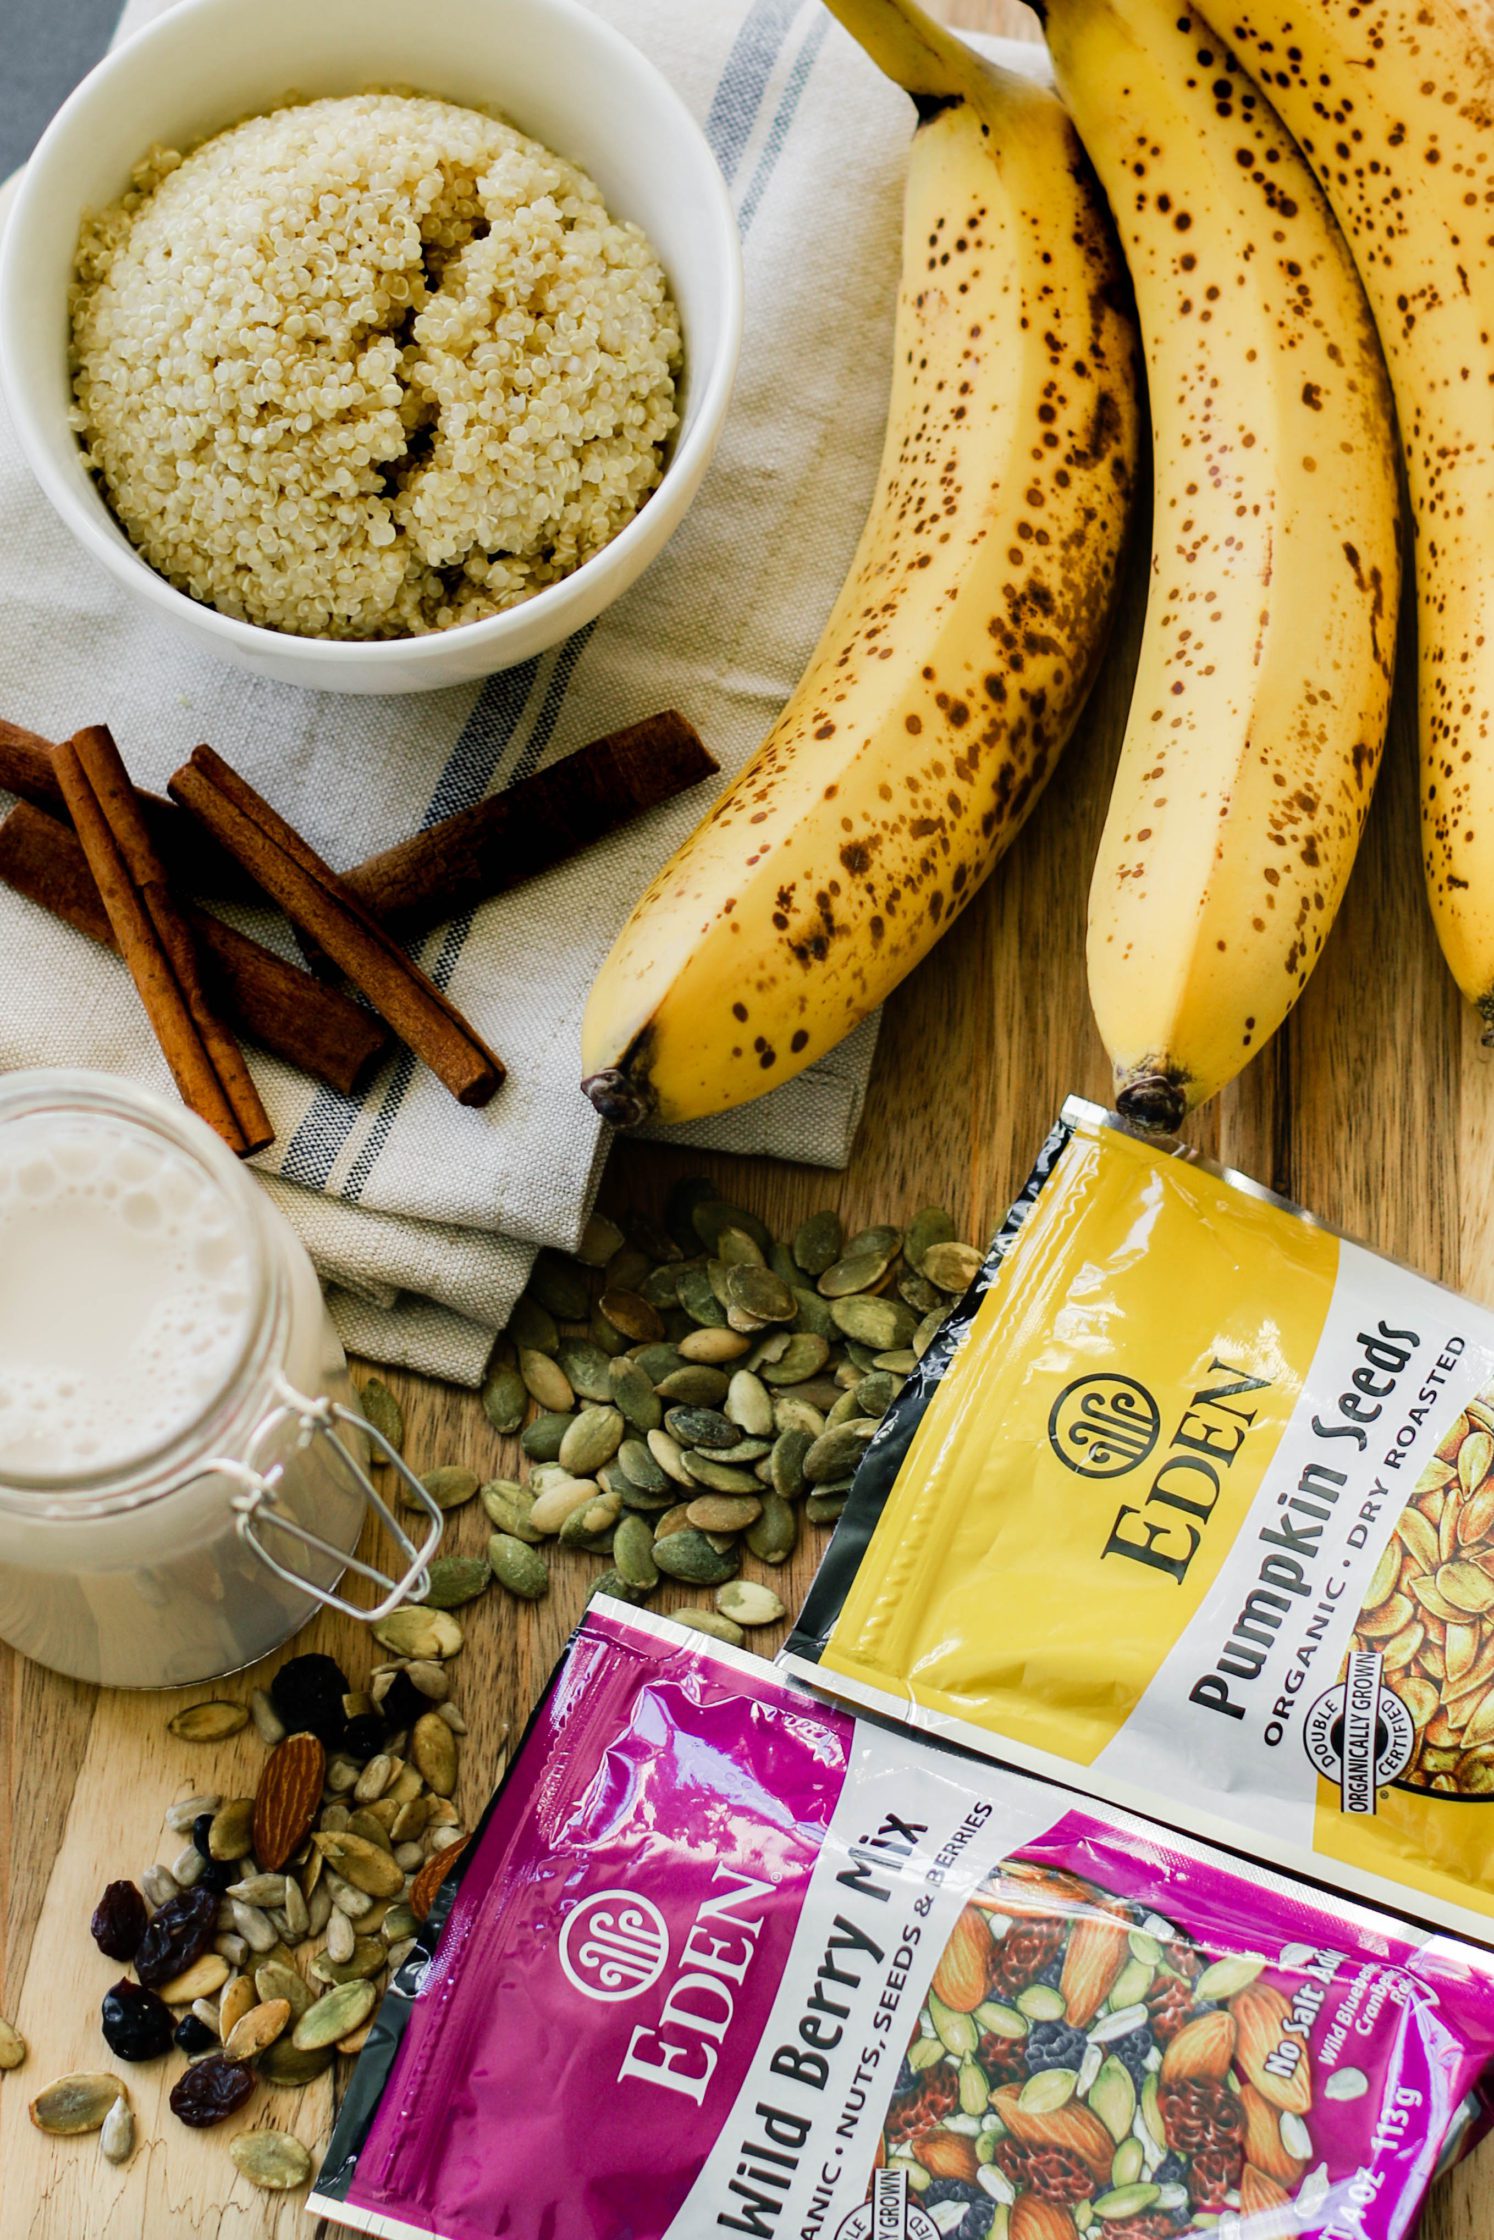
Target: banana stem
{"points": [[910, 48]]}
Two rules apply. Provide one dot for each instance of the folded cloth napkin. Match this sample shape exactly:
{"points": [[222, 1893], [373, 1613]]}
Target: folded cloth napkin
{"points": [[423, 1216]]}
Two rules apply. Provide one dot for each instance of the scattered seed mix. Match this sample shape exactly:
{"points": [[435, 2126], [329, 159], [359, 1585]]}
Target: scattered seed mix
{"points": [[1191, 1502], [785, 1960]]}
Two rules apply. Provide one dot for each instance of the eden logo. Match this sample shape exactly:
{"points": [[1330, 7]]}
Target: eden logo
{"points": [[1103, 1426], [614, 1945]]}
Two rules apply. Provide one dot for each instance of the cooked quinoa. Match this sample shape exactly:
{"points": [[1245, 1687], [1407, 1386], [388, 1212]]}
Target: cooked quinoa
{"points": [[371, 366]]}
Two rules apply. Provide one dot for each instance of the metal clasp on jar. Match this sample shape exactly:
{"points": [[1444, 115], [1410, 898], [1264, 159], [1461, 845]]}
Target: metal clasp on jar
{"points": [[256, 1502]]}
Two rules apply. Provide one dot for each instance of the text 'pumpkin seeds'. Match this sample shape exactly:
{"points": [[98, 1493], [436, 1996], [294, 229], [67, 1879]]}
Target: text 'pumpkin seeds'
{"points": [[783, 1950], [1194, 1496]]}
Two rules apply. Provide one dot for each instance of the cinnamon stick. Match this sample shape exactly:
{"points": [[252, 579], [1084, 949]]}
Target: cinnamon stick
{"points": [[193, 864], [155, 941], [277, 1005], [542, 820], [322, 905]]}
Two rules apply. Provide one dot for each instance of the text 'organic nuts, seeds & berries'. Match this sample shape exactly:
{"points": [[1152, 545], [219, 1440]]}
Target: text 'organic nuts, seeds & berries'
{"points": [[725, 1959], [1192, 1501]]}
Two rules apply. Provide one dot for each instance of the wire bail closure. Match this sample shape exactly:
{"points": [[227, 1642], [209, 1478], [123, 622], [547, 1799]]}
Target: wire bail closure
{"points": [[256, 1502]]}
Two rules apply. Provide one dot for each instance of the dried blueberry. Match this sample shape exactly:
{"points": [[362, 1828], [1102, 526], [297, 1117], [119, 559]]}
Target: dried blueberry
{"points": [[1170, 2171], [950, 2189], [1054, 2045], [363, 1737], [137, 2025], [193, 2035], [202, 1828], [307, 1695], [179, 1933], [211, 2090], [217, 1875], [403, 1703], [1052, 1973], [1132, 2051], [119, 1921]]}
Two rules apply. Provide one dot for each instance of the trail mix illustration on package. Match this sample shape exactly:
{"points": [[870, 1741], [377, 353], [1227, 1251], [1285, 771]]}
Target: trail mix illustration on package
{"points": [[1192, 1501], [813, 1978]]}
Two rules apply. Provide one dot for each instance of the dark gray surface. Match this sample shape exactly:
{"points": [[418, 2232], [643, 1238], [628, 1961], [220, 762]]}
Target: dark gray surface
{"points": [[47, 46]]}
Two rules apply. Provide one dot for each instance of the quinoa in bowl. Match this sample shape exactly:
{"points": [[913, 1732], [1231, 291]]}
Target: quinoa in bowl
{"points": [[370, 366]]}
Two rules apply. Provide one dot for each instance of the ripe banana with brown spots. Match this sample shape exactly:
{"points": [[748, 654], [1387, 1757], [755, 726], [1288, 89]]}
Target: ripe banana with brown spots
{"points": [[1263, 686], [1393, 106], [964, 640]]}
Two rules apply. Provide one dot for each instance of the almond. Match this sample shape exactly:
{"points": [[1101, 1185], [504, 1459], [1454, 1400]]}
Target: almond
{"points": [[1263, 2031], [290, 1789], [964, 1971], [1072, 2127], [1096, 1954], [1035, 2219], [948, 2154], [431, 1876], [1204, 2047], [1263, 2141], [1257, 2192]]}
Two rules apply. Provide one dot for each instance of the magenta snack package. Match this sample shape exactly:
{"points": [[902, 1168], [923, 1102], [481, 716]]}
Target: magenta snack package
{"points": [[725, 1959]]}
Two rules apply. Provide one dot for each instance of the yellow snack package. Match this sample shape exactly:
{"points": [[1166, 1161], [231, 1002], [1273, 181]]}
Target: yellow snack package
{"points": [[1191, 1504]]}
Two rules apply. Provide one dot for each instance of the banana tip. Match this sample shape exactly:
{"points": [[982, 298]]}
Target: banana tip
{"points": [[621, 1101], [1154, 1101]]}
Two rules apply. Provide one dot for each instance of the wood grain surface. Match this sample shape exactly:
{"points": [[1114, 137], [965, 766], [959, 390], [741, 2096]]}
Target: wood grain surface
{"points": [[1374, 1106]]}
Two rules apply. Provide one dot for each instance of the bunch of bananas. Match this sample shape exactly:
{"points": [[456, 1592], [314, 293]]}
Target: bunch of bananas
{"points": [[964, 640]]}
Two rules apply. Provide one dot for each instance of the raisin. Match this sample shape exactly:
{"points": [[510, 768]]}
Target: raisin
{"points": [[403, 1703], [307, 1695], [179, 1933], [193, 2035], [211, 2090], [119, 1921], [363, 1737], [137, 2025]]}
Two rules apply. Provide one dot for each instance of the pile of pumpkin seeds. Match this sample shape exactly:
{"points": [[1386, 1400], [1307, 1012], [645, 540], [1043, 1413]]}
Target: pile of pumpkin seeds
{"points": [[690, 1391]]}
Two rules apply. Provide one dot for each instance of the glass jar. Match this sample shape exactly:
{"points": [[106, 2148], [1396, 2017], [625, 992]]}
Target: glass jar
{"points": [[210, 1545]]}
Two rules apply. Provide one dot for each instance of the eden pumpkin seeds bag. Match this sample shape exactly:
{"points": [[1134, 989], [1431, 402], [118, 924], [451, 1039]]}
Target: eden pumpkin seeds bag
{"points": [[1191, 1503], [723, 1959]]}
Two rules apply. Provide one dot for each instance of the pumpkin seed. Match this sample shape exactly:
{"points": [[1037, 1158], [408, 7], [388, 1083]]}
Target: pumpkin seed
{"points": [[1227, 1976], [1126, 2201], [880, 1324], [630, 1312], [711, 1622], [749, 1405], [698, 1298], [626, 1270], [711, 1346], [362, 1863], [695, 1384], [205, 1976], [804, 1356], [824, 1508], [773, 1537], [545, 1380], [383, 1411], [1042, 2002], [838, 1450], [213, 1721], [277, 1979], [519, 1567], [661, 1287], [688, 1555], [559, 1286], [586, 1366], [1049, 2089], [758, 1292], [722, 1477], [414, 1631], [953, 1267], [875, 1394], [787, 1463], [724, 1512], [455, 1580], [642, 1469], [747, 1602], [669, 1455], [927, 1331], [554, 1506], [287, 2064], [863, 1264], [231, 1832], [593, 1438], [928, 1227], [541, 1439], [631, 1391], [271, 2160], [117, 2133], [531, 1325], [956, 2032], [1002, 2020], [12, 2045], [259, 2027], [633, 1552], [612, 1582], [711, 1216], [509, 1506], [503, 1400], [75, 2103], [433, 1747], [1112, 2097], [333, 2017], [817, 1242]]}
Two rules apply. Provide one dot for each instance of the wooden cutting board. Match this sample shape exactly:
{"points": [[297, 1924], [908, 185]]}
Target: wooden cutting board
{"points": [[1374, 1107]]}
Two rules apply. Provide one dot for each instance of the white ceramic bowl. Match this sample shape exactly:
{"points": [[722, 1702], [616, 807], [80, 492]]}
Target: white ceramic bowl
{"points": [[560, 74]]}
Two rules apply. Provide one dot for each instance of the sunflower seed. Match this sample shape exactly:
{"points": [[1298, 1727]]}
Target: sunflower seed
{"points": [[180, 1816], [159, 1884], [345, 1899], [117, 2133], [259, 1890], [253, 1926], [271, 2160], [187, 1866], [213, 1721]]}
